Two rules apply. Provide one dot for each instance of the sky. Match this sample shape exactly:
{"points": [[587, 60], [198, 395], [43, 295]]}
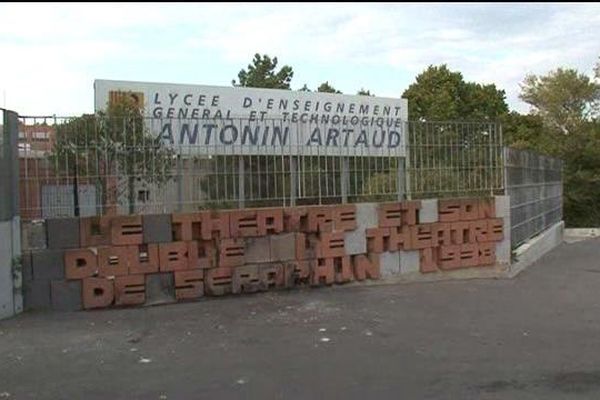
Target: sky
{"points": [[51, 53]]}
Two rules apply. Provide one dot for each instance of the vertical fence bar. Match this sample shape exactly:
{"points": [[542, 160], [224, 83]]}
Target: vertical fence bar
{"points": [[345, 177], [241, 182]]}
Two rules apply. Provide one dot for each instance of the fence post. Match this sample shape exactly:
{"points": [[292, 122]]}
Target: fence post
{"points": [[401, 178], [293, 180], [406, 162], [179, 184], [241, 182], [345, 178]]}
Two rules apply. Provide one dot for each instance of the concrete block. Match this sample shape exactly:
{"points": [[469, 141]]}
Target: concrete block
{"points": [[270, 221], [97, 292], [126, 230], [429, 211], [389, 263], [94, 231], [502, 206], [81, 263], [355, 242], [66, 295], [48, 264], [503, 248], [283, 247], [63, 233], [189, 284], [157, 228], [257, 250], [217, 281], [33, 235], [160, 288], [409, 261], [272, 276], [36, 295], [366, 266], [130, 290], [366, 215], [246, 279], [26, 267]]}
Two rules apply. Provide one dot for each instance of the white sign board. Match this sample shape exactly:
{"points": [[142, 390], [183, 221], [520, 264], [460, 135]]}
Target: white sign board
{"points": [[234, 120]]}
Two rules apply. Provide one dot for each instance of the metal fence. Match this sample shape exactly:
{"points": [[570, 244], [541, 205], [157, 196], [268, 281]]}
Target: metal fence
{"points": [[95, 166], [534, 184]]}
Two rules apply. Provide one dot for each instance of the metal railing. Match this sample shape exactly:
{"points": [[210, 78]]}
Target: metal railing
{"points": [[96, 166]]}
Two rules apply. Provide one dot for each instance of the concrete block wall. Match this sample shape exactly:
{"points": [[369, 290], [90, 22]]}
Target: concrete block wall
{"points": [[152, 259]]}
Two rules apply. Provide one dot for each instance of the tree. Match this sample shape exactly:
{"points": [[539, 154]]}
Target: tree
{"points": [[363, 92], [304, 89], [443, 95], [564, 98], [262, 74], [327, 88], [112, 150]]}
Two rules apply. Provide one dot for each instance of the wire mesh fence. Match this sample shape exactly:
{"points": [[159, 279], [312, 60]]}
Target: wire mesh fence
{"points": [[95, 165]]}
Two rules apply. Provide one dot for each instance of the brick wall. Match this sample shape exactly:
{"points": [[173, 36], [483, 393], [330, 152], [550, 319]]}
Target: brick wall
{"points": [[99, 262]]}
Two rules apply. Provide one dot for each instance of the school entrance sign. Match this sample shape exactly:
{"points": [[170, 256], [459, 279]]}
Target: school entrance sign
{"points": [[248, 121]]}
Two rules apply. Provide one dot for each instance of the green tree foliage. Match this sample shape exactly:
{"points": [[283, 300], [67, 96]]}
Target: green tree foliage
{"points": [[439, 94], [364, 92], [262, 73], [304, 89], [325, 87], [112, 150]]}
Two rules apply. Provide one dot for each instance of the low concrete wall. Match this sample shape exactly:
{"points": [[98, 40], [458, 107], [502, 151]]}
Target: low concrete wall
{"points": [[11, 301], [141, 260], [535, 248]]}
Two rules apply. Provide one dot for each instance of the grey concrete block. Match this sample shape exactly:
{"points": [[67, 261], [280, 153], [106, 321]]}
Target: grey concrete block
{"points": [[429, 211], [48, 264], [283, 247], [36, 295], [160, 288], [502, 206], [409, 261], [62, 233], [33, 235], [26, 267], [503, 248], [355, 242], [66, 295], [366, 215], [257, 250], [389, 263], [157, 228]]}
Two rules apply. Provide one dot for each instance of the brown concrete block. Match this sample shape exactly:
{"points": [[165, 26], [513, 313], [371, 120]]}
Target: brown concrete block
{"points": [[377, 239], [487, 208], [448, 210], [215, 225], [297, 273], [343, 270], [217, 281], [400, 238], [270, 221], [126, 230], [389, 215], [306, 244], [331, 244], [421, 237], [449, 257], [81, 263], [427, 260], [322, 272], [344, 217], [442, 234], [283, 247], [189, 284], [469, 209], [469, 255], [271, 276], [144, 259], [113, 260], [487, 253], [461, 232], [97, 292], [257, 250], [366, 266], [202, 254], [320, 219], [94, 231], [186, 227], [244, 223], [495, 230], [245, 280], [478, 231], [130, 290], [174, 256], [410, 212], [295, 219], [231, 253]]}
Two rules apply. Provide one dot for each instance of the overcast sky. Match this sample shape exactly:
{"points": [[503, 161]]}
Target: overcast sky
{"points": [[51, 53]]}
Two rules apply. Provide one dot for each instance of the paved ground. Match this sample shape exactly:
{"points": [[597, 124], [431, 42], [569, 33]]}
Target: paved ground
{"points": [[533, 337]]}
